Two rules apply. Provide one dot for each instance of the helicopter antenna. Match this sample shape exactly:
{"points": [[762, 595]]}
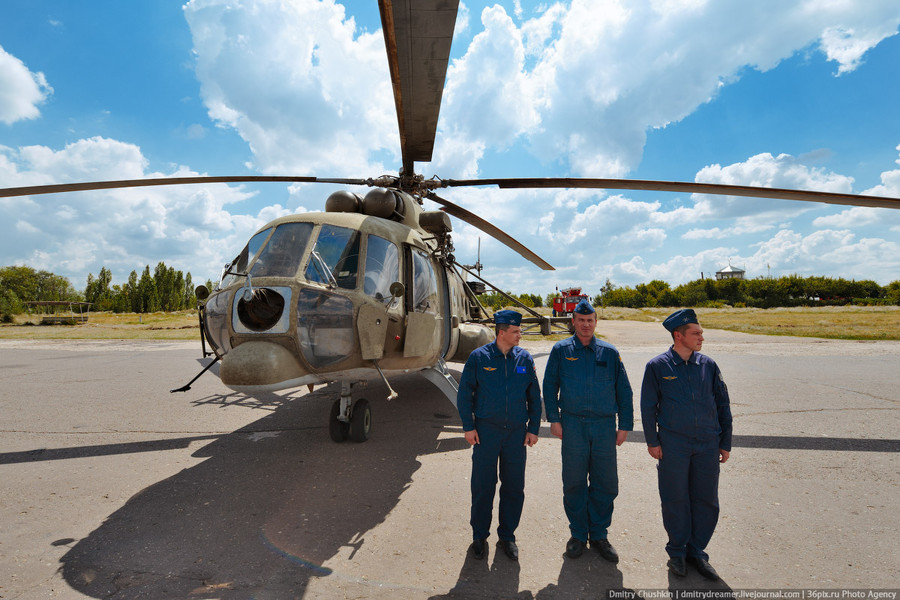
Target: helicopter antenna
{"points": [[477, 266]]}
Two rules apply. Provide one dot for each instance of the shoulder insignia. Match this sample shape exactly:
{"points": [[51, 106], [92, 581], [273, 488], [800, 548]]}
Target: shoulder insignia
{"points": [[490, 368], [570, 358], [670, 378]]}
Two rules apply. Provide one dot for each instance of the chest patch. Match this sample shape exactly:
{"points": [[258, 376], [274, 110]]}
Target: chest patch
{"points": [[570, 358], [521, 369], [670, 378], [489, 368]]}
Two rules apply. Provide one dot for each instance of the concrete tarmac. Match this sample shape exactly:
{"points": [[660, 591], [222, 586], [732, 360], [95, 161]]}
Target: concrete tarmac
{"points": [[114, 488]]}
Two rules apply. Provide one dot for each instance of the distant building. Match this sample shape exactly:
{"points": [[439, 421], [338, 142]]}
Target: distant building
{"points": [[730, 272]]}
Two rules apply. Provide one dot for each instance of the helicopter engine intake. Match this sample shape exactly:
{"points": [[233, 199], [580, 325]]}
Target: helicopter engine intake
{"points": [[262, 311]]}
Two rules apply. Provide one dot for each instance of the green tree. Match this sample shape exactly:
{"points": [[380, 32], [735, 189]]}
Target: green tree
{"points": [[530, 300], [9, 305], [149, 299], [525, 299], [626, 297], [189, 300], [98, 291], [21, 284], [132, 293], [691, 294], [892, 292], [729, 290], [120, 302], [549, 300], [164, 280]]}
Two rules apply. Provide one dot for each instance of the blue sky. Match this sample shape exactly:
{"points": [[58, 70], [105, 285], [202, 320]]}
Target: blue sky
{"points": [[786, 94]]}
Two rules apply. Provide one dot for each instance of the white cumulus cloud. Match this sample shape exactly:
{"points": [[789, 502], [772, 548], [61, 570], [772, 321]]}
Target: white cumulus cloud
{"points": [[21, 90], [583, 82], [191, 228], [305, 89]]}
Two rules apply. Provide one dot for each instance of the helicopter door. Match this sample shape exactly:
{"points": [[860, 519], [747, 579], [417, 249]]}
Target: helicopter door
{"points": [[424, 322], [376, 324], [447, 311]]}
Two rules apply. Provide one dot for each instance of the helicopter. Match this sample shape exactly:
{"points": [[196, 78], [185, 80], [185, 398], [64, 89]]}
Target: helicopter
{"points": [[371, 287]]}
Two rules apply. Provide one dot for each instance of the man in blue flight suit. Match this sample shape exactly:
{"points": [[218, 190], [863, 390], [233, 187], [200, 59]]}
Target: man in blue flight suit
{"points": [[687, 424], [589, 379], [499, 402]]}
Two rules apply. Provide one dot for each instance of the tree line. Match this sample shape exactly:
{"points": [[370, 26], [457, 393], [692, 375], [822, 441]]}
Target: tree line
{"points": [[21, 284], [786, 291], [790, 290], [496, 300], [167, 289], [163, 289]]}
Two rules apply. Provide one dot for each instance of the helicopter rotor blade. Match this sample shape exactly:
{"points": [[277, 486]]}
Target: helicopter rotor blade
{"points": [[681, 186], [417, 36], [154, 181], [474, 220]]}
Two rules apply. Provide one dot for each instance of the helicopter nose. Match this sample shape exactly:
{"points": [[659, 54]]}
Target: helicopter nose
{"points": [[261, 366]]}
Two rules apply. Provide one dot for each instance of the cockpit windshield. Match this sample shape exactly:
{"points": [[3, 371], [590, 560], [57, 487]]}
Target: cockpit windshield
{"points": [[240, 262], [334, 259], [281, 255]]}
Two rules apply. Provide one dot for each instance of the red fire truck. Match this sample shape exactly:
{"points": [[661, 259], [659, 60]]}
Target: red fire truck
{"points": [[564, 305]]}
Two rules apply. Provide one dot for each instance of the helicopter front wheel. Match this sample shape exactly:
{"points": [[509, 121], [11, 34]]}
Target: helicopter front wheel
{"points": [[348, 419], [339, 430], [360, 421]]}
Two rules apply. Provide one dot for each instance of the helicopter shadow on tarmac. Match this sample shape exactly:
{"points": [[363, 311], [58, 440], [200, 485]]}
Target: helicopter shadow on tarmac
{"points": [[272, 503]]}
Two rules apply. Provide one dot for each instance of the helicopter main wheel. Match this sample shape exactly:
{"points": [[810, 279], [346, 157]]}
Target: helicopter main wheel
{"points": [[361, 421], [337, 429]]}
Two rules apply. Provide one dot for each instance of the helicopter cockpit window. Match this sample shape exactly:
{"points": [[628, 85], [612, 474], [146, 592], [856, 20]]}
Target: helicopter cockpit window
{"points": [[335, 258], [281, 255], [382, 268], [239, 264], [424, 284]]}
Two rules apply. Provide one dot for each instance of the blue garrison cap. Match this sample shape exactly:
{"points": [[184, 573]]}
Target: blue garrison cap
{"points": [[679, 318], [507, 317], [584, 307]]}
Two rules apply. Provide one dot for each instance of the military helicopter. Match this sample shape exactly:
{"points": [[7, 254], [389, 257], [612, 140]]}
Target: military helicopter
{"points": [[370, 287]]}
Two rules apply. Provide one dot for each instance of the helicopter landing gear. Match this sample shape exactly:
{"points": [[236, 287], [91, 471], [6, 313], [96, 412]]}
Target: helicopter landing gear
{"points": [[348, 420], [361, 421], [337, 429]]}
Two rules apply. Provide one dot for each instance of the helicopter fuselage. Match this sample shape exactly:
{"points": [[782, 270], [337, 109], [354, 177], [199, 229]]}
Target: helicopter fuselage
{"points": [[328, 296]]}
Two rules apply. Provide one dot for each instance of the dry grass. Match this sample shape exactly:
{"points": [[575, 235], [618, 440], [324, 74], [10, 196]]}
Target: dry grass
{"points": [[839, 322], [835, 322], [109, 326]]}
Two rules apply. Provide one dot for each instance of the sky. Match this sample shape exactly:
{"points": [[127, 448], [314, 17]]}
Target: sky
{"points": [[797, 94]]}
